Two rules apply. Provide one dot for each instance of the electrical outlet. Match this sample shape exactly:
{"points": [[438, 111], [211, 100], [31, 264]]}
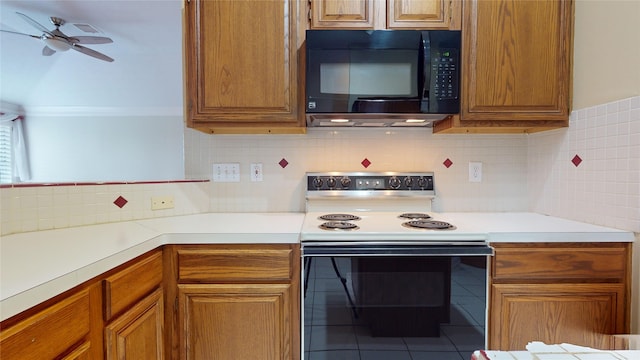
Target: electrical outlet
{"points": [[256, 172], [475, 171], [227, 172], [161, 202]]}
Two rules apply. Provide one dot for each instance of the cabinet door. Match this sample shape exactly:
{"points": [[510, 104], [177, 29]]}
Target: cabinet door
{"points": [[381, 14], [81, 352], [424, 14], [554, 313], [50, 333], [347, 14], [236, 321], [517, 61], [138, 333], [241, 61]]}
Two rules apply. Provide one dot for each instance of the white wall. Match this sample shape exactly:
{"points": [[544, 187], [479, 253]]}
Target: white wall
{"points": [[68, 148], [606, 51]]}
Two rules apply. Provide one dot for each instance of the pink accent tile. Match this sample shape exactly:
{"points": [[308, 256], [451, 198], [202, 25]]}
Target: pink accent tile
{"points": [[366, 163], [120, 202], [576, 160], [283, 163], [447, 163]]}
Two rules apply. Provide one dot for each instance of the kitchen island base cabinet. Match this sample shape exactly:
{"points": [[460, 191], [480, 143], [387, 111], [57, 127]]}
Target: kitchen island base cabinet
{"points": [[139, 332], [558, 293]]}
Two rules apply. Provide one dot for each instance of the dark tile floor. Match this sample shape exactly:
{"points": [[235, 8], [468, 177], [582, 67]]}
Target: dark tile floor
{"points": [[332, 332]]}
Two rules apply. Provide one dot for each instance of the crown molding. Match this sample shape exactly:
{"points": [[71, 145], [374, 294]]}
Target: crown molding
{"points": [[81, 111]]}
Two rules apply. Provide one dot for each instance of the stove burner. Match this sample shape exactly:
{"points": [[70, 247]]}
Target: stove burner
{"points": [[339, 217], [415, 216], [428, 224], [338, 225]]}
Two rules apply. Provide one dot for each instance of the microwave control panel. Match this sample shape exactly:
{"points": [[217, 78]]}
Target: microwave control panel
{"points": [[445, 70]]}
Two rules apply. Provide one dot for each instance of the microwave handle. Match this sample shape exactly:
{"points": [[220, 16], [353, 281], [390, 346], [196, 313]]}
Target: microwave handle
{"points": [[425, 61]]}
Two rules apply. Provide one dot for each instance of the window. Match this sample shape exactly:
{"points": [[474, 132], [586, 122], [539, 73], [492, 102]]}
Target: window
{"points": [[14, 166], [6, 153]]}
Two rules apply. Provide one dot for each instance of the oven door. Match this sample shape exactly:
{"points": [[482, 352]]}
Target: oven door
{"points": [[402, 300]]}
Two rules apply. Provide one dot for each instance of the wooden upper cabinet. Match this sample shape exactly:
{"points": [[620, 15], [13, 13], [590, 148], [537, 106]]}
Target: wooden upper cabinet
{"points": [[241, 66], [516, 64], [389, 14]]}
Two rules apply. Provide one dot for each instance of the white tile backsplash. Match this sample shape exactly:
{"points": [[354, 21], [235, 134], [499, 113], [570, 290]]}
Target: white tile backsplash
{"points": [[605, 188], [520, 173], [33, 208], [503, 156]]}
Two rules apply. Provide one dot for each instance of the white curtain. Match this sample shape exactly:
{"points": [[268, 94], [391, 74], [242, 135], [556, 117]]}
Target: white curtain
{"points": [[20, 160]]}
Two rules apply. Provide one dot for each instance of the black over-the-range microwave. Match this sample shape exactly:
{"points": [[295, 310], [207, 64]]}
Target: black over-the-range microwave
{"points": [[381, 77]]}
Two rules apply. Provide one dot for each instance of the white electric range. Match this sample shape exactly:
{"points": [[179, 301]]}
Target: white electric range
{"points": [[378, 262]]}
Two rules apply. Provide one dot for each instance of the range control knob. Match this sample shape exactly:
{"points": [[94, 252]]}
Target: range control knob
{"points": [[345, 182], [317, 182], [394, 182], [422, 182], [331, 182], [408, 182]]}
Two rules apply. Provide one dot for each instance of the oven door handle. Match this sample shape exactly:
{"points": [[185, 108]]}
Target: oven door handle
{"points": [[396, 250]]}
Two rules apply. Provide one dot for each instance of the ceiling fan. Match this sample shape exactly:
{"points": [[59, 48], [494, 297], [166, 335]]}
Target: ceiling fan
{"points": [[56, 40]]}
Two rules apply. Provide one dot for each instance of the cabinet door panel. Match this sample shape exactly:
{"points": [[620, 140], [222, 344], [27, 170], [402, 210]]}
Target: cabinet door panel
{"points": [[554, 313], [125, 287], [357, 14], [517, 62], [138, 333], [423, 14], [241, 64], [236, 264], [42, 336], [228, 322], [82, 352], [561, 263]]}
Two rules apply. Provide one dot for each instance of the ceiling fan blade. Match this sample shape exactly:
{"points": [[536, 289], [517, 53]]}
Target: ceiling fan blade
{"points": [[47, 51], [33, 23], [18, 33], [90, 52], [91, 39]]}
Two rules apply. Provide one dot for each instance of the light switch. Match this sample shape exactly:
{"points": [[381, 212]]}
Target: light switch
{"points": [[226, 172]]}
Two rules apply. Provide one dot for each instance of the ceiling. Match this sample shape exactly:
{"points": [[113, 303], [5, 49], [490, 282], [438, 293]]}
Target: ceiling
{"points": [[144, 79]]}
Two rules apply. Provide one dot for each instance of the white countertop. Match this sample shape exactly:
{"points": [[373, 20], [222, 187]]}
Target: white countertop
{"points": [[38, 265], [532, 227]]}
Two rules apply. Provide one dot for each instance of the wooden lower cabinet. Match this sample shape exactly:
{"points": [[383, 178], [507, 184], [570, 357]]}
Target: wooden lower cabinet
{"points": [[139, 332], [234, 301], [229, 321], [82, 352], [555, 293], [553, 313], [62, 330]]}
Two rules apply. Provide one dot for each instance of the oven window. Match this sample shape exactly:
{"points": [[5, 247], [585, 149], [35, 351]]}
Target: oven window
{"points": [[394, 307]]}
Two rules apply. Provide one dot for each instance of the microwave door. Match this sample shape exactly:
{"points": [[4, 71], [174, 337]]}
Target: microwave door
{"points": [[364, 71]]}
